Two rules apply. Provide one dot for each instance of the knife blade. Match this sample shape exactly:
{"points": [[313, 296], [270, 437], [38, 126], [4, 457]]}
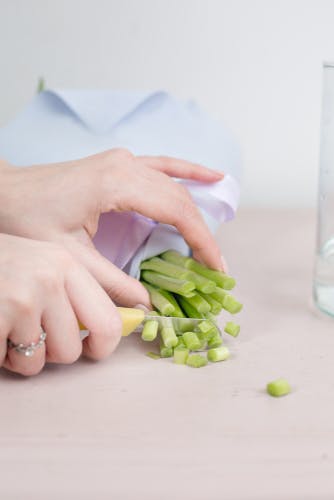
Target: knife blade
{"points": [[133, 320]]}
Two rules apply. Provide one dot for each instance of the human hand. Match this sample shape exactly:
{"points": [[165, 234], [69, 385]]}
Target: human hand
{"points": [[43, 286], [63, 202]]}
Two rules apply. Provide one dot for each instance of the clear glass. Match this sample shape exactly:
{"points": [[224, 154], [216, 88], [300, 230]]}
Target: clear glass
{"points": [[323, 284]]}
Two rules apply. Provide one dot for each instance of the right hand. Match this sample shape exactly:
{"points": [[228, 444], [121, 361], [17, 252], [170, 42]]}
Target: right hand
{"points": [[43, 287]]}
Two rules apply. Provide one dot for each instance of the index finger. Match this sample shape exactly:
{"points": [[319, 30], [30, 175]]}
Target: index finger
{"points": [[182, 169], [167, 201]]}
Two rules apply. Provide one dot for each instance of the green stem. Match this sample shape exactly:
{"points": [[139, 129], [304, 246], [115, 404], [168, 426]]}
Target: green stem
{"points": [[189, 310], [164, 306], [181, 287], [150, 330], [199, 303]]}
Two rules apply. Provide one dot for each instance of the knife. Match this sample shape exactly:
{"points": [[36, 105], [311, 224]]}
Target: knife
{"points": [[133, 320]]}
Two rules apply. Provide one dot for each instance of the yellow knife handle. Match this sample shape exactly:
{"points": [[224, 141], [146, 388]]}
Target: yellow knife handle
{"points": [[131, 318]]}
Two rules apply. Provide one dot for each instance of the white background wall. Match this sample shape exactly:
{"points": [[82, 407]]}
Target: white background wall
{"points": [[255, 64]]}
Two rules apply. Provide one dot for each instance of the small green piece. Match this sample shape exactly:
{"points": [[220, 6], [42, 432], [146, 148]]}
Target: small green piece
{"points": [[181, 354], [206, 326], [167, 332], [232, 329], [215, 341], [159, 301], [180, 342], [191, 341], [218, 354], [185, 325], [202, 337], [165, 352], [181, 287], [196, 361], [279, 387], [153, 355], [150, 330]]}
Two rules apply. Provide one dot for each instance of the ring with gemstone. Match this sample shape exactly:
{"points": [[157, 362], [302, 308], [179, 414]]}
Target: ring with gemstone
{"points": [[27, 350]]}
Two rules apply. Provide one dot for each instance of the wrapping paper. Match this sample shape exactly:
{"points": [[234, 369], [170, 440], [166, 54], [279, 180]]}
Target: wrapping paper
{"points": [[64, 125]]}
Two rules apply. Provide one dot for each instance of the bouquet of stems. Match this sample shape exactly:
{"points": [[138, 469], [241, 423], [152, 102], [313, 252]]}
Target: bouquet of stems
{"points": [[181, 287]]}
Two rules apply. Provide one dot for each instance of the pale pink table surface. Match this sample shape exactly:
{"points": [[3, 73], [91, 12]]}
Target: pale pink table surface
{"points": [[134, 428]]}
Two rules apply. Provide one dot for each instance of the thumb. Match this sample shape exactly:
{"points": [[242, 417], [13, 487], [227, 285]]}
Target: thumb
{"points": [[121, 288]]}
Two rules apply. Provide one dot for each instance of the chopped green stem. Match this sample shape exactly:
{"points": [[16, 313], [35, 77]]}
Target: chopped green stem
{"points": [[218, 354], [232, 329], [202, 337], [152, 313], [166, 352], [206, 326], [175, 262], [216, 307], [175, 258], [221, 279], [189, 310], [279, 387], [153, 355], [226, 300], [201, 283], [231, 304], [181, 354], [177, 313], [167, 268], [159, 301], [219, 295], [215, 341], [199, 303], [191, 341], [180, 342], [181, 287], [185, 325], [196, 361], [167, 333], [150, 330]]}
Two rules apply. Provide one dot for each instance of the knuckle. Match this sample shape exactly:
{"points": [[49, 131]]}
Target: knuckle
{"points": [[70, 356], [119, 154], [188, 209], [22, 304]]}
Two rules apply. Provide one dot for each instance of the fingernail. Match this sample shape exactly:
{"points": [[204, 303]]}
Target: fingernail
{"points": [[218, 173], [224, 264]]}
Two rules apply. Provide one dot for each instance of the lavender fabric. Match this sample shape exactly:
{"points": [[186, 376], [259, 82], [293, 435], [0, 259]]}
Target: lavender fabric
{"points": [[64, 125]]}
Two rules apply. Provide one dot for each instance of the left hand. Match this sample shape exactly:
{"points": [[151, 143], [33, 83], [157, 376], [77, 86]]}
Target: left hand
{"points": [[63, 202]]}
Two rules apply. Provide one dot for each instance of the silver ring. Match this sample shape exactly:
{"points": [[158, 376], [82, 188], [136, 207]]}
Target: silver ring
{"points": [[27, 350]]}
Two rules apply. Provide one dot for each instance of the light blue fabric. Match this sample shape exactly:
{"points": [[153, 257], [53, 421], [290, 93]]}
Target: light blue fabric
{"points": [[69, 124]]}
